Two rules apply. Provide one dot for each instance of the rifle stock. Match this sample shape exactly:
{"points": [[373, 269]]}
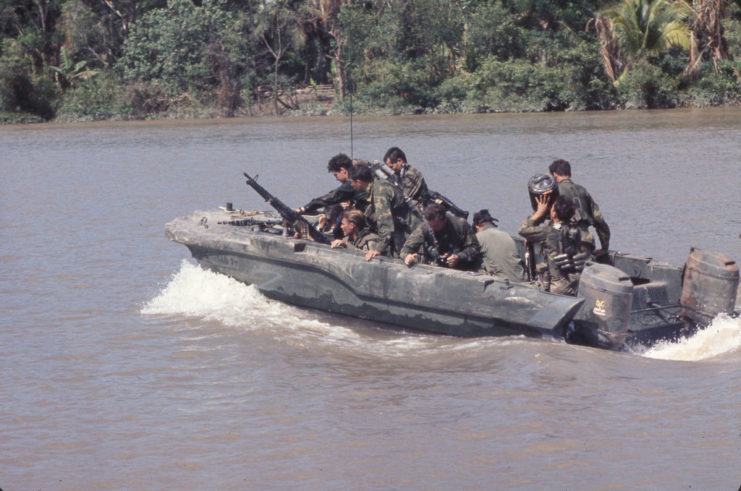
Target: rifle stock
{"points": [[286, 212]]}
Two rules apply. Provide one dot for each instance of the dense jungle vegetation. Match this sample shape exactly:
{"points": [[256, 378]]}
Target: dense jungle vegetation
{"points": [[124, 59]]}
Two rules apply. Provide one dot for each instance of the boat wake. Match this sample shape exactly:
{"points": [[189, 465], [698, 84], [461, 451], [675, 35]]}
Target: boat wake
{"points": [[199, 293], [721, 337]]}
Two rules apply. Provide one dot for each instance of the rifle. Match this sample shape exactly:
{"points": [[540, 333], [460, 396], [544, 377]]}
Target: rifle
{"points": [[286, 212]]}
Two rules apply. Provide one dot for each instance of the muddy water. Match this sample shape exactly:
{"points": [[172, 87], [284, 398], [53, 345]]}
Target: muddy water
{"points": [[124, 365]]}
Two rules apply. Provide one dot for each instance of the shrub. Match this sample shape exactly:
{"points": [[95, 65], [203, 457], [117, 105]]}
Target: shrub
{"points": [[93, 99], [646, 86], [23, 92]]}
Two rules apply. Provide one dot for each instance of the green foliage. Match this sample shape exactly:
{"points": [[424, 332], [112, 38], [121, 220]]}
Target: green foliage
{"points": [[646, 86], [22, 90], [492, 31], [186, 58], [186, 48], [715, 89], [68, 72], [92, 99], [648, 27]]}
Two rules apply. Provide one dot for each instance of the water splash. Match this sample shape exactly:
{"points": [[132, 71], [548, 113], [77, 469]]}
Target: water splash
{"points": [[721, 337], [199, 293]]}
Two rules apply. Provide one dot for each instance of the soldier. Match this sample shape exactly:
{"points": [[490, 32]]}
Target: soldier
{"points": [[444, 240], [357, 234], [409, 179], [386, 211], [586, 210], [339, 165], [560, 242], [498, 249]]}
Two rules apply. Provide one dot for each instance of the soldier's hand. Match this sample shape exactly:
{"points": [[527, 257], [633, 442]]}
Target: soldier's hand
{"points": [[411, 259], [300, 210], [371, 254], [452, 260], [542, 204], [337, 243]]}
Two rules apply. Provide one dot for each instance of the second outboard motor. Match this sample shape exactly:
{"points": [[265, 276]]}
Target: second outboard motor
{"points": [[541, 184], [604, 317], [709, 285]]}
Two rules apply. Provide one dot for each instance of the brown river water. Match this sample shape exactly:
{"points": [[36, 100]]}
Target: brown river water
{"points": [[126, 366]]}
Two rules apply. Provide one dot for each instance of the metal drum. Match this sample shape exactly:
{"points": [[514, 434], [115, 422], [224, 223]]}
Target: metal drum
{"points": [[709, 285]]}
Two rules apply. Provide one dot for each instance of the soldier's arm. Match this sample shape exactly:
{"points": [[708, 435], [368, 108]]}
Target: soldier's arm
{"points": [[384, 219], [345, 192], [471, 249], [600, 225], [417, 187], [414, 242], [531, 231]]}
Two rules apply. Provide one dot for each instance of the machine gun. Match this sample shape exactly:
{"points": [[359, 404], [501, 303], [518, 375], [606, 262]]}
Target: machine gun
{"points": [[451, 207], [287, 213], [383, 171]]}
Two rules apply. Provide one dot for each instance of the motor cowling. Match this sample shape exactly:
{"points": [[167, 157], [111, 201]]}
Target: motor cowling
{"points": [[604, 317], [709, 285]]}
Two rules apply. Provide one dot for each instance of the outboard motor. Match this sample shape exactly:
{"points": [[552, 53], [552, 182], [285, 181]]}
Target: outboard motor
{"points": [[709, 285], [604, 317], [541, 184]]}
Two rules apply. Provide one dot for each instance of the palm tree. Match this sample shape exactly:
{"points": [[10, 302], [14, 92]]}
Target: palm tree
{"points": [[636, 29], [707, 33]]}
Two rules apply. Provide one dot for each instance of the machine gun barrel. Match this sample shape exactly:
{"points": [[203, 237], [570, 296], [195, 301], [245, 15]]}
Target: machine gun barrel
{"points": [[285, 211], [452, 208]]}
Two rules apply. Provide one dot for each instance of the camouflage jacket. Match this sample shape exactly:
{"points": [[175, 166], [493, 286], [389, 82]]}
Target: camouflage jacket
{"points": [[457, 237], [553, 240], [389, 215], [344, 192], [365, 241], [412, 182], [586, 213]]}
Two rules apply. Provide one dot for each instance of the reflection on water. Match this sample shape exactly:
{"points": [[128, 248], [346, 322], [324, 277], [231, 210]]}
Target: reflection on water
{"points": [[125, 366]]}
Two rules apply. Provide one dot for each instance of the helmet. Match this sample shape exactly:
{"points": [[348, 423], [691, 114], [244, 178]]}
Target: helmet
{"points": [[541, 184]]}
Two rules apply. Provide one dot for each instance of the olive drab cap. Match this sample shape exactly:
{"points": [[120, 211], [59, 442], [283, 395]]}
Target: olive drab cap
{"points": [[541, 184]]}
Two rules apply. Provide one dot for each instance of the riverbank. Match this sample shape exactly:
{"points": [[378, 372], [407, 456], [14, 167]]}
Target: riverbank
{"points": [[138, 103]]}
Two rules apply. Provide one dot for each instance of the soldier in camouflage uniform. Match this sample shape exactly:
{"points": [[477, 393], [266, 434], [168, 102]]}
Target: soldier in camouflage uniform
{"points": [[560, 241], [356, 233], [445, 240], [386, 211], [586, 210], [339, 165], [409, 179]]}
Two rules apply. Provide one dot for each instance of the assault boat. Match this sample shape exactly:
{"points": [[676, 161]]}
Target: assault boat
{"points": [[625, 300]]}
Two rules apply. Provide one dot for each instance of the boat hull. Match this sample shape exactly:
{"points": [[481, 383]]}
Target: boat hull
{"points": [[424, 298]]}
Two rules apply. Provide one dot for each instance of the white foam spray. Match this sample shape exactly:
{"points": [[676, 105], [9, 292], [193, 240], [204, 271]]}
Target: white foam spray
{"points": [[721, 337], [196, 292]]}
